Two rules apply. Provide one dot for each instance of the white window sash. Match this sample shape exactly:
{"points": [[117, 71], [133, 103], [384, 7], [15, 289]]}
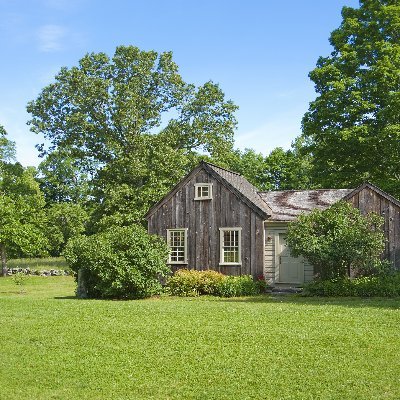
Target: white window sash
{"points": [[198, 191], [169, 236], [232, 248]]}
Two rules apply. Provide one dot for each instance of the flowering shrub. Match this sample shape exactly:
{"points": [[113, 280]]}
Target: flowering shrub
{"points": [[195, 283]]}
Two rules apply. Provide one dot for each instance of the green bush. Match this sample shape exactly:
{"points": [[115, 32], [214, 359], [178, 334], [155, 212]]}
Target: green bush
{"points": [[367, 286], [195, 283], [124, 262], [338, 240]]}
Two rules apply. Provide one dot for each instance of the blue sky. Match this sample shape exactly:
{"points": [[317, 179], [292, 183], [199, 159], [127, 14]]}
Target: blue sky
{"points": [[260, 52]]}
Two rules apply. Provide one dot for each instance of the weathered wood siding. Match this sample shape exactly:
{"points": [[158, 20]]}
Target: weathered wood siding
{"points": [[368, 200], [203, 218]]}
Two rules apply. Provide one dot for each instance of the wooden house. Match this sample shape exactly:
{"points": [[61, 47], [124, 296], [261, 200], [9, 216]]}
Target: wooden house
{"points": [[215, 219]]}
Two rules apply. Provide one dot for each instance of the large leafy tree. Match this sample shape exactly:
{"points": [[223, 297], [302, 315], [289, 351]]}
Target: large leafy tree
{"points": [[7, 147], [134, 124], [22, 217], [62, 179], [289, 169], [352, 129], [21, 206], [280, 170], [64, 221]]}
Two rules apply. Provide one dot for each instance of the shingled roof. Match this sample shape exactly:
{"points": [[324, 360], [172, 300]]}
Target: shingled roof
{"points": [[287, 205], [240, 185]]}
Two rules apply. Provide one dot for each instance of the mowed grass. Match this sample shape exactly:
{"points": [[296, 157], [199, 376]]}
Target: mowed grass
{"points": [[57, 347]]}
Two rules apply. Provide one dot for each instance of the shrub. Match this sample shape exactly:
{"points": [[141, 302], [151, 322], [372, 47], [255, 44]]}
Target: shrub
{"points": [[195, 283], [338, 240], [124, 262], [367, 286]]}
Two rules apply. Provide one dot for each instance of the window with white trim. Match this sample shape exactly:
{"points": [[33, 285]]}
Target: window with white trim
{"points": [[203, 191], [177, 242], [230, 246]]}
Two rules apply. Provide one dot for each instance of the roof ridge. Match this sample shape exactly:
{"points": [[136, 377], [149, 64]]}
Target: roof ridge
{"points": [[300, 190], [240, 185], [225, 169]]}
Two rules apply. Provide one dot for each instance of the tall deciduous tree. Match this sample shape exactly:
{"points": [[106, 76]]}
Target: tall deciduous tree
{"points": [[21, 206], [352, 129], [280, 170], [22, 215], [289, 169], [134, 122], [62, 179], [7, 147], [64, 221]]}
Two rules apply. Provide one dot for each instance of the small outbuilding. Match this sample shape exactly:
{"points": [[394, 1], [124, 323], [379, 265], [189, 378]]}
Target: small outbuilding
{"points": [[215, 219]]}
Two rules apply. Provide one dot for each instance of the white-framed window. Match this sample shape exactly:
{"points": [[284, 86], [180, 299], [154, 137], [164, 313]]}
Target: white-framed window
{"points": [[203, 191], [230, 246], [177, 242]]}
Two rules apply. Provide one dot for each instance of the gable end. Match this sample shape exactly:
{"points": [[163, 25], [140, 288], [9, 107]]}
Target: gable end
{"points": [[374, 188]]}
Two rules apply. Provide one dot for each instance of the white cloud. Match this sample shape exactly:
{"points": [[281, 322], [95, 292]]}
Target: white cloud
{"points": [[50, 37]]}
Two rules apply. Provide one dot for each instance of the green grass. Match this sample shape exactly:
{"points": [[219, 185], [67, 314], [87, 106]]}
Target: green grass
{"points": [[38, 263], [57, 347]]}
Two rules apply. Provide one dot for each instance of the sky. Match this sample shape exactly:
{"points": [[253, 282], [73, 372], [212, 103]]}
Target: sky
{"points": [[259, 52]]}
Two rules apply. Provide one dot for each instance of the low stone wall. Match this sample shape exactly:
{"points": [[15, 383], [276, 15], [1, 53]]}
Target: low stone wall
{"points": [[28, 271]]}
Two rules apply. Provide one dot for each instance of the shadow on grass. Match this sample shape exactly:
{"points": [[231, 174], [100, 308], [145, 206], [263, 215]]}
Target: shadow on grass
{"points": [[295, 299], [96, 299]]}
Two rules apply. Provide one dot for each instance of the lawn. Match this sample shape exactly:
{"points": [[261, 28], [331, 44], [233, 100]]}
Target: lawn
{"points": [[57, 347]]}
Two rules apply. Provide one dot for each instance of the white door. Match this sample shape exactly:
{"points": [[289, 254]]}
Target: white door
{"points": [[291, 269]]}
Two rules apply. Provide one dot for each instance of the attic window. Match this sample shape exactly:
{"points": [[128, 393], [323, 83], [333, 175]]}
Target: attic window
{"points": [[203, 191]]}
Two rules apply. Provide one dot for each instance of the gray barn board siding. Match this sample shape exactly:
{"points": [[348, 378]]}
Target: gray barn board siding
{"points": [[368, 200], [203, 218]]}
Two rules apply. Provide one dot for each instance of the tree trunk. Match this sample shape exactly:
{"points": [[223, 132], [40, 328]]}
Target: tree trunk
{"points": [[81, 290], [349, 270], [3, 260]]}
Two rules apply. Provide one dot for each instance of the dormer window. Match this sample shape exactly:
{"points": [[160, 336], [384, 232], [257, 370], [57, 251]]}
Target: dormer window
{"points": [[203, 191]]}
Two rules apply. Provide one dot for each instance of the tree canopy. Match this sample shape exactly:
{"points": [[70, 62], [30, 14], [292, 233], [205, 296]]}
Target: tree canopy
{"points": [[7, 147], [22, 216], [279, 170], [352, 129], [133, 122], [62, 179]]}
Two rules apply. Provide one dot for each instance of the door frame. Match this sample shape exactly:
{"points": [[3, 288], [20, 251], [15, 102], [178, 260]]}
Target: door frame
{"points": [[278, 232]]}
